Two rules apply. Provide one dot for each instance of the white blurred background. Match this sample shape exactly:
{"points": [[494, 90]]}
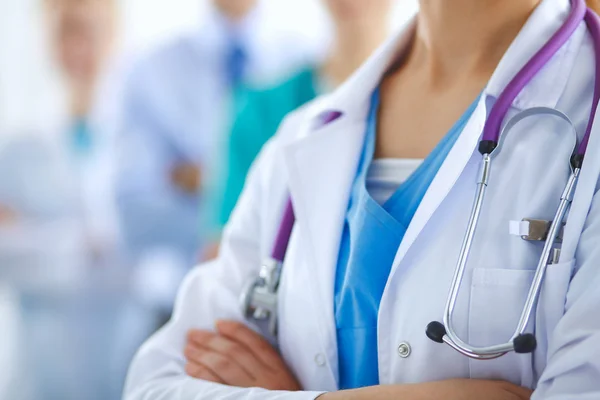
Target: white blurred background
{"points": [[32, 98], [28, 96]]}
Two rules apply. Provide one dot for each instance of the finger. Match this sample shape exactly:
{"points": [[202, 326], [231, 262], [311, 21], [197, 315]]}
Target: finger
{"points": [[199, 371], [200, 337], [193, 353], [252, 341], [224, 368], [209, 341], [230, 349]]}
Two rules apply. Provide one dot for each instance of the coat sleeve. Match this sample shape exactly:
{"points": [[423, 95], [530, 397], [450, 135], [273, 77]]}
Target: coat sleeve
{"points": [[210, 292], [573, 369]]}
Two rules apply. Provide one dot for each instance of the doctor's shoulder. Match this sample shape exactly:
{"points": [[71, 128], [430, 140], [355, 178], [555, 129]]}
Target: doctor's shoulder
{"points": [[305, 121]]}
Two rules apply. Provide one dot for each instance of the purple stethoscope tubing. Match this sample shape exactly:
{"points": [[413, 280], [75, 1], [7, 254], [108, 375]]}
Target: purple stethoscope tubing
{"points": [[285, 231], [579, 12], [491, 131], [593, 25]]}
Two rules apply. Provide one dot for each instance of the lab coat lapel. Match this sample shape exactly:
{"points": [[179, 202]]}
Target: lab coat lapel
{"points": [[449, 172], [321, 167]]}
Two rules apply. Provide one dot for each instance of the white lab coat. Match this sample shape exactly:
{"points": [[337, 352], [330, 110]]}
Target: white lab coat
{"points": [[317, 165]]}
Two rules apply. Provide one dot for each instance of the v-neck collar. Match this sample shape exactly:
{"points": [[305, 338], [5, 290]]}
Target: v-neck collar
{"points": [[390, 210]]}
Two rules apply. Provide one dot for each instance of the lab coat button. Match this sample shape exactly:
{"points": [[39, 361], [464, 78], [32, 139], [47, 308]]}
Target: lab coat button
{"points": [[404, 350], [320, 360]]}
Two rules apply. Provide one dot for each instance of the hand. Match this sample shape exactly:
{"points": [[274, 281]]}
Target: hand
{"points": [[236, 356], [455, 389], [471, 389], [210, 252], [187, 177], [7, 216], [98, 249]]}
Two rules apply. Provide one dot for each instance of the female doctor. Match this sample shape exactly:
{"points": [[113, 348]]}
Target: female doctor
{"points": [[382, 174]]}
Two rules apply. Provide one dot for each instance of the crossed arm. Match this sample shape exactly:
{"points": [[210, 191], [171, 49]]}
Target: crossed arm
{"points": [[235, 355]]}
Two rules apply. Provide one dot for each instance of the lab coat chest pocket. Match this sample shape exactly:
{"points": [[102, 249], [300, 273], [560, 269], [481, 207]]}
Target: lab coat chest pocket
{"points": [[496, 302]]}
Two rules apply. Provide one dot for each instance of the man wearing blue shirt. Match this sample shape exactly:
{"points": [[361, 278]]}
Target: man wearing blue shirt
{"points": [[176, 108]]}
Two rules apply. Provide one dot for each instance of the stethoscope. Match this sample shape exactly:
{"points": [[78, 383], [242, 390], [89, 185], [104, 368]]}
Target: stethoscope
{"points": [[259, 298]]}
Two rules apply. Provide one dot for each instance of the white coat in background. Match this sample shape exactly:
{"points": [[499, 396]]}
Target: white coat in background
{"points": [[61, 254], [63, 202], [317, 166]]}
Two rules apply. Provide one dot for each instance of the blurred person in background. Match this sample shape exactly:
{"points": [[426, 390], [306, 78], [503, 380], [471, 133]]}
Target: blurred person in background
{"points": [[177, 108], [59, 242], [359, 27]]}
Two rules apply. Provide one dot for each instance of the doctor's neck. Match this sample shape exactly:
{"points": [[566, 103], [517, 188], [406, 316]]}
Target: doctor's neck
{"points": [[454, 37]]}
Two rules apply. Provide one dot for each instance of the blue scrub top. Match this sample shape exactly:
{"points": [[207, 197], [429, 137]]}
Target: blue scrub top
{"points": [[259, 113], [370, 239]]}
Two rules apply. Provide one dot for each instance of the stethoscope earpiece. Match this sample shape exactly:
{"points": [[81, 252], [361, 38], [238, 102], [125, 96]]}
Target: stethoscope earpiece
{"points": [[522, 344]]}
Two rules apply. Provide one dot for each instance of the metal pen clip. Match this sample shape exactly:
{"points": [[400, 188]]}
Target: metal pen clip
{"points": [[539, 228]]}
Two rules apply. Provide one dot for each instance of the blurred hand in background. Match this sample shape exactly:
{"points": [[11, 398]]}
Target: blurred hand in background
{"points": [[187, 177], [7, 216]]}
